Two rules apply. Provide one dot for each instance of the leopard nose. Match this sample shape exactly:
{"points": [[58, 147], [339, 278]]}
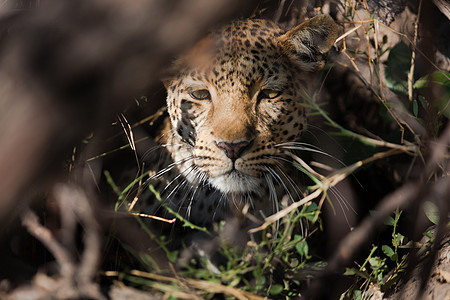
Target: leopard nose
{"points": [[233, 150]]}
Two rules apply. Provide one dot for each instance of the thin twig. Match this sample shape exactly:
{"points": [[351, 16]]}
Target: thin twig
{"points": [[154, 217], [413, 55], [31, 222], [347, 33]]}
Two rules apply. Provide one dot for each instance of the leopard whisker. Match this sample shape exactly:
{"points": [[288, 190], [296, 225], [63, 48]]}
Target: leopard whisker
{"points": [[170, 133], [171, 182], [288, 178], [160, 173], [157, 147], [341, 197], [272, 191], [170, 167], [221, 201], [327, 134], [174, 190], [299, 144], [166, 198], [276, 204], [191, 201], [150, 151], [184, 174], [248, 200], [280, 181], [344, 204], [290, 181], [307, 147], [185, 197]]}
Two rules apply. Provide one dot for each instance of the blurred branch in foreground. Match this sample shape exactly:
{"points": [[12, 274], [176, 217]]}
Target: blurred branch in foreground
{"points": [[68, 66]]}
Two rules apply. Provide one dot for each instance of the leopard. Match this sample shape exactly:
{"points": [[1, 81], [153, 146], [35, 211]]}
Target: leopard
{"points": [[235, 104]]}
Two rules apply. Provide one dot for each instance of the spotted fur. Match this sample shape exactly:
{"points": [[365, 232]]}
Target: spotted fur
{"points": [[235, 98]]}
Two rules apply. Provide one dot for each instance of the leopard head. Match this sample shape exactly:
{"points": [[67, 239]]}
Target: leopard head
{"points": [[237, 96]]}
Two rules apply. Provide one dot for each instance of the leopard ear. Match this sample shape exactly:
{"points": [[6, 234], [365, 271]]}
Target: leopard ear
{"points": [[166, 81], [308, 43]]}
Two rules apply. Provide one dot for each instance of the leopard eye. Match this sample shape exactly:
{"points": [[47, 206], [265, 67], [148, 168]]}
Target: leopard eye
{"points": [[200, 95], [268, 94]]}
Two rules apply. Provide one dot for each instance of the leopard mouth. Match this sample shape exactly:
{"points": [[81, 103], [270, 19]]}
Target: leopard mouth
{"points": [[235, 181], [235, 171]]}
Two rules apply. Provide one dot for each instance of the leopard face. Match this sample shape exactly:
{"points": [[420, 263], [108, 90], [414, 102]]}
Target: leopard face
{"points": [[238, 96]]}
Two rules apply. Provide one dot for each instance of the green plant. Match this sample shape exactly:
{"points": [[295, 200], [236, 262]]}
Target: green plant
{"points": [[381, 268], [253, 269]]}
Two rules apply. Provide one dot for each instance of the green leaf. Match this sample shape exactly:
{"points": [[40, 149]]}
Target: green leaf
{"points": [[260, 280], [415, 108], [390, 221], [387, 250], [294, 262], [350, 271], [441, 83], [353, 271], [397, 69], [311, 207], [380, 277], [394, 257], [431, 211], [357, 295], [421, 83], [437, 78], [376, 262], [276, 289], [235, 281], [302, 248], [311, 216], [397, 240], [297, 238], [172, 256]]}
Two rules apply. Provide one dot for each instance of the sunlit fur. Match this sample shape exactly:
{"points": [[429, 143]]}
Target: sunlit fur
{"points": [[236, 65]]}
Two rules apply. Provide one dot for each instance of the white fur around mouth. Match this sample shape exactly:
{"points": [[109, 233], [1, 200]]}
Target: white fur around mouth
{"points": [[235, 182]]}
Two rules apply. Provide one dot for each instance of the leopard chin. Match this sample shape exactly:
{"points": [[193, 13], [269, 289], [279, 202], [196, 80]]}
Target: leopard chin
{"points": [[236, 182]]}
